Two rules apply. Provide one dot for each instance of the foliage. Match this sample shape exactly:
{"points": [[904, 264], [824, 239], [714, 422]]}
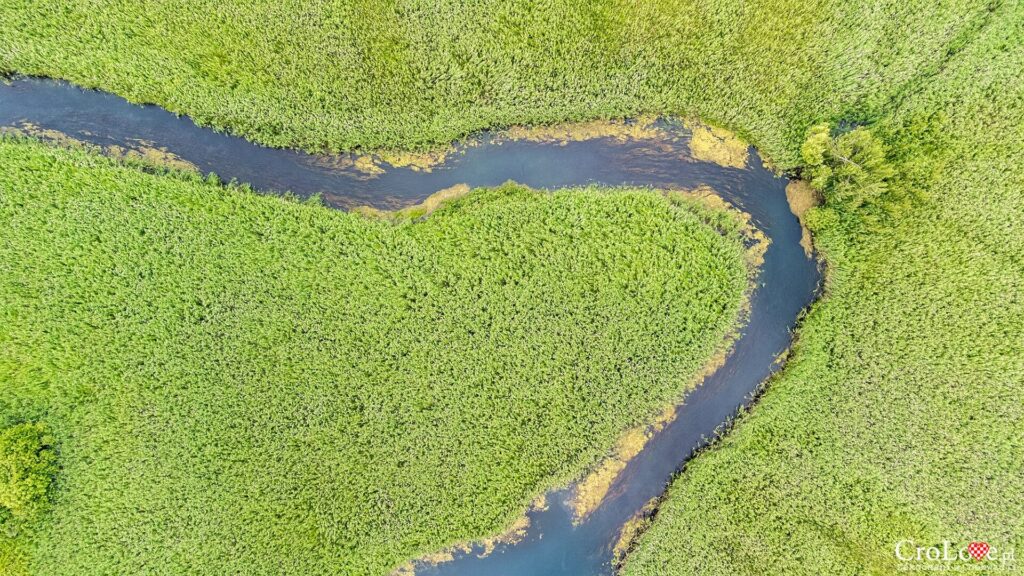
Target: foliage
{"points": [[898, 416], [899, 413], [340, 74], [27, 466], [245, 385], [851, 169]]}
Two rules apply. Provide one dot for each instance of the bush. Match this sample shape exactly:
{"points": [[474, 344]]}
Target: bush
{"points": [[850, 169], [27, 466]]}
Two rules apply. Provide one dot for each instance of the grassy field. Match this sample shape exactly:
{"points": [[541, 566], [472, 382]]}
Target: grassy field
{"points": [[900, 413], [238, 384], [412, 73]]}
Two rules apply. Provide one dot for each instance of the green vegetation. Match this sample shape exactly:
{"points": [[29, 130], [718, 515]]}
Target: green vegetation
{"points": [[850, 169], [27, 466], [240, 384], [899, 415], [412, 73]]}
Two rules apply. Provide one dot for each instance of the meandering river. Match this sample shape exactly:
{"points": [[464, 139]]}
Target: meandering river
{"points": [[553, 544]]}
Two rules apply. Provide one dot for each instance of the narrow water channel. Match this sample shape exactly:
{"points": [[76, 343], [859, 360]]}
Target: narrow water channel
{"points": [[553, 545]]}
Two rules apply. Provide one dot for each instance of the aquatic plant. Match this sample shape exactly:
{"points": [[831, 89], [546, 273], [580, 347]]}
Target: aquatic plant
{"points": [[417, 74], [245, 384], [898, 415]]}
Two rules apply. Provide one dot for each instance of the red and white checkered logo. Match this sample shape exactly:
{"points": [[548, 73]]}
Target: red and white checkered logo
{"points": [[978, 550]]}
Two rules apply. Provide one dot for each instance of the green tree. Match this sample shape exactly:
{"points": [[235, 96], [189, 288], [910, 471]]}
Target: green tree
{"points": [[852, 169], [27, 466]]}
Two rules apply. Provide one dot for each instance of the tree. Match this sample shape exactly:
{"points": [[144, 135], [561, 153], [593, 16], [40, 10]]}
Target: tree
{"points": [[27, 466], [851, 169]]}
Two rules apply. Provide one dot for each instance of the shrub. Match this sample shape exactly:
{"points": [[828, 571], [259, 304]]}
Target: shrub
{"points": [[27, 466], [850, 169]]}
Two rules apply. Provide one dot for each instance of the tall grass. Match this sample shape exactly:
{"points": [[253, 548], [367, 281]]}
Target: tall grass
{"points": [[236, 384], [899, 415], [403, 74]]}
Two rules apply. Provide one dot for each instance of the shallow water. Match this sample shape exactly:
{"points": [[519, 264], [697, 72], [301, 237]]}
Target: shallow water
{"points": [[553, 545]]}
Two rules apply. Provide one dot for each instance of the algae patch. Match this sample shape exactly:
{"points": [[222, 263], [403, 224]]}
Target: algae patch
{"points": [[133, 149], [643, 128], [591, 491], [802, 197], [417, 161], [632, 530], [718, 145]]}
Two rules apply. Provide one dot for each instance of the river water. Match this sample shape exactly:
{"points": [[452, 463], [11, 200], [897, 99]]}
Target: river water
{"points": [[553, 544]]}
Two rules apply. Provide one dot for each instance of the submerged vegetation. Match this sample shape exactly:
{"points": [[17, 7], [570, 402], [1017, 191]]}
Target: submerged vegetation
{"points": [[242, 384], [710, 144]]}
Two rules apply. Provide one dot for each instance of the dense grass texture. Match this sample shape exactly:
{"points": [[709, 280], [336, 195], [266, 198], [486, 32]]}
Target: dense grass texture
{"points": [[342, 74], [899, 415], [239, 384]]}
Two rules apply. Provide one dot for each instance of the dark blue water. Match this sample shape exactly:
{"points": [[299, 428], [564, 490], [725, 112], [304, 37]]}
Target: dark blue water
{"points": [[787, 282]]}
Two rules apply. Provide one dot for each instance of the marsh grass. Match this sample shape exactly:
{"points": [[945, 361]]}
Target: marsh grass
{"points": [[898, 415], [244, 384], [415, 74]]}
